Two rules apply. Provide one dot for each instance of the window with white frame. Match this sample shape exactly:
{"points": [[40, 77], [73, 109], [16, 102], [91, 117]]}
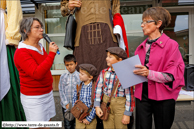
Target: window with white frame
{"points": [[55, 29], [132, 16]]}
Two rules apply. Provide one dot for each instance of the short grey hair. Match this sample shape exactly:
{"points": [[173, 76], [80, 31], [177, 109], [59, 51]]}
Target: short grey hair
{"points": [[26, 24]]}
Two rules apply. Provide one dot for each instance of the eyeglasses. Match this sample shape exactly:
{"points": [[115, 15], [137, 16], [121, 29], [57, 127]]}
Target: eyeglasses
{"points": [[145, 22], [39, 28]]}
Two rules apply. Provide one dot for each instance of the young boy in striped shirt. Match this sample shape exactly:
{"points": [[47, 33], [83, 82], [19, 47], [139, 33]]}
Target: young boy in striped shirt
{"points": [[122, 104]]}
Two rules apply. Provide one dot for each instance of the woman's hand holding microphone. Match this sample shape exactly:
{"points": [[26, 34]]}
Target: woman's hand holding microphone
{"points": [[53, 47]]}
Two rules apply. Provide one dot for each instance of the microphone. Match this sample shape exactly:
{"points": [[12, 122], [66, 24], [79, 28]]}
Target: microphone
{"points": [[45, 36]]}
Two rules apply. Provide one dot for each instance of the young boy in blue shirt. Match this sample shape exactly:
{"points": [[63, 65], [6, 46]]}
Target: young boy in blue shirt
{"points": [[67, 85], [87, 73]]}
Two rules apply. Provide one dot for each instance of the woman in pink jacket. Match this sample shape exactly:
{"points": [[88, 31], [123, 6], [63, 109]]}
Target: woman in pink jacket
{"points": [[163, 66]]}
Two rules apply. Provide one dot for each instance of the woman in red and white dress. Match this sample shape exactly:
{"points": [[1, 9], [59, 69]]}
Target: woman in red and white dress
{"points": [[33, 64]]}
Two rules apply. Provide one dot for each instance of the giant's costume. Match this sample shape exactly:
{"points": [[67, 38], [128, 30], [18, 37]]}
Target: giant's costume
{"points": [[94, 33]]}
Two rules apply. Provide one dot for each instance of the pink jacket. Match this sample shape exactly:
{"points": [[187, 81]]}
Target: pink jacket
{"points": [[164, 57]]}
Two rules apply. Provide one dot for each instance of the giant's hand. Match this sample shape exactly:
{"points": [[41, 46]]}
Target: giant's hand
{"points": [[74, 3]]}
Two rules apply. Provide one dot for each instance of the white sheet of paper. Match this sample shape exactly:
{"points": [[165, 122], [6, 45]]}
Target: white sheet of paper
{"points": [[124, 70]]}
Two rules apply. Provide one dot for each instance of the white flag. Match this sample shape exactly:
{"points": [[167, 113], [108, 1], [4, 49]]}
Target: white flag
{"points": [[4, 70]]}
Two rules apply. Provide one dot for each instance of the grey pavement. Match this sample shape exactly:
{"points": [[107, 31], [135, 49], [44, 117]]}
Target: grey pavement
{"points": [[184, 114]]}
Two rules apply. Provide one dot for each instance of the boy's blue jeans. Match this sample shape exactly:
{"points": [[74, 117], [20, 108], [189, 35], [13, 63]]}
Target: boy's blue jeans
{"points": [[68, 124]]}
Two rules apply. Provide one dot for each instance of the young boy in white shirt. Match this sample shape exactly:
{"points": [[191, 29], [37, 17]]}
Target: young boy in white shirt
{"points": [[67, 85]]}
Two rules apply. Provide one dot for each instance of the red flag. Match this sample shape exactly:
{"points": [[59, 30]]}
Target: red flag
{"points": [[118, 20]]}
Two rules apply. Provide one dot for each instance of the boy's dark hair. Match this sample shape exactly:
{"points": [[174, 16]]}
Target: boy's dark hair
{"points": [[69, 57]]}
